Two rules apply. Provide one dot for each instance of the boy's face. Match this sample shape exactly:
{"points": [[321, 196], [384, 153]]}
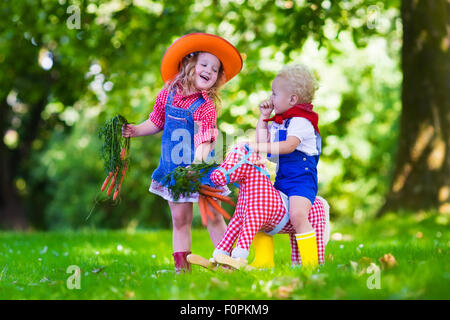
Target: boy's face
{"points": [[282, 97], [206, 71]]}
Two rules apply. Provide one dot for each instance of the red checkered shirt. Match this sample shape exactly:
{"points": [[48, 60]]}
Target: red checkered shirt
{"points": [[205, 116], [260, 207]]}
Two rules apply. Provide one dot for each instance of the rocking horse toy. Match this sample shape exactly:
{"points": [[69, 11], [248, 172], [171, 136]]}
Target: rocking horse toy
{"points": [[260, 207]]}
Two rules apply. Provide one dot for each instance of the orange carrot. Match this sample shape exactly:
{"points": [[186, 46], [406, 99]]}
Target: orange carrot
{"points": [[210, 193], [217, 196], [208, 188], [201, 205], [217, 207], [105, 184], [113, 182], [122, 153], [124, 170], [116, 193], [208, 210], [111, 187]]}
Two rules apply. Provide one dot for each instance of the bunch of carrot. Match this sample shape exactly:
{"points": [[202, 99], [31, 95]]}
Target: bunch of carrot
{"points": [[183, 181], [113, 180], [209, 196], [115, 154]]}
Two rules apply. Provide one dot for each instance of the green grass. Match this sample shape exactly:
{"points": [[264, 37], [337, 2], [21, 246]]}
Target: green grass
{"points": [[138, 265]]}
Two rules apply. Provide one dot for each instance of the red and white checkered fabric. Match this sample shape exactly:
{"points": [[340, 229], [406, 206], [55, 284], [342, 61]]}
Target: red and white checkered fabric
{"points": [[260, 206], [205, 116]]}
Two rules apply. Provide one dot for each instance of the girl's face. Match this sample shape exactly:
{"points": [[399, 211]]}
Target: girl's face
{"points": [[206, 71], [282, 97]]}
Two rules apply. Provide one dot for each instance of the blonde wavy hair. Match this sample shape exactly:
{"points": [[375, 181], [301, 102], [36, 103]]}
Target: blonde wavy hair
{"points": [[185, 79], [301, 81]]}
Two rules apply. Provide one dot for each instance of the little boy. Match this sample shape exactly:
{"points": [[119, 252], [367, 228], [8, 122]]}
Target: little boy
{"points": [[293, 142]]}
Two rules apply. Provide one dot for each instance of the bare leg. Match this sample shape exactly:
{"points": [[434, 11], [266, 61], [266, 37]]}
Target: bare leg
{"points": [[298, 211], [182, 221], [216, 228]]}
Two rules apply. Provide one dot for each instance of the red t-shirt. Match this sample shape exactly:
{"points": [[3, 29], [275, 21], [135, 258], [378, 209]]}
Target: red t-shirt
{"points": [[205, 116]]}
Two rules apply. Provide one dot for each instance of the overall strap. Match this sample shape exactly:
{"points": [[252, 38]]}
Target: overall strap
{"points": [[319, 143], [196, 104], [170, 98], [288, 121], [318, 137]]}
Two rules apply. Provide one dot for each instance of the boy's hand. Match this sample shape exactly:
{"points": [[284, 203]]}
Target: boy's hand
{"points": [[253, 146], [266, 108], [128, 130]]}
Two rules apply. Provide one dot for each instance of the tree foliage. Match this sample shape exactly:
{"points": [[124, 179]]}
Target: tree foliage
{"points": [[58, 85]]}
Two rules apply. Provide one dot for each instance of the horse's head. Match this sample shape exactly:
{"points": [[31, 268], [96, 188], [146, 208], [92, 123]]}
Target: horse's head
{"points": [[238, 164]]}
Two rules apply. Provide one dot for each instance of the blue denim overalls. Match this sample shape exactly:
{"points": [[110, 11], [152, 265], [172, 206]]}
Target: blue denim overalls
{"points": [[297, 171], [177, 142]]}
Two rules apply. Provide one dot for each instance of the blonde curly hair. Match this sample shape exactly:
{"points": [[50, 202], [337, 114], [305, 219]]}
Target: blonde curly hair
{"points": [[302, 82]]}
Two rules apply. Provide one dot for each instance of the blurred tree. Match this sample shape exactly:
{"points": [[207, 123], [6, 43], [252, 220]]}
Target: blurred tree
{"points": [[47, 48], [422, 170], [49, 72]]}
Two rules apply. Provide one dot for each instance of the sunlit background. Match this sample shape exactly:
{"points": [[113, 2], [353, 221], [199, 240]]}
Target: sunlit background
{"points": [[78, 64]]}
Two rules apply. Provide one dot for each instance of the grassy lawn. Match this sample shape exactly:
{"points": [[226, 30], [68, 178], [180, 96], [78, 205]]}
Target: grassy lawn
{"points": [[138, 265]]}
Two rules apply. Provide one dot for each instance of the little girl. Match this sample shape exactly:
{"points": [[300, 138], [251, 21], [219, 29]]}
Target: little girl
{"points": [[193, 68]]}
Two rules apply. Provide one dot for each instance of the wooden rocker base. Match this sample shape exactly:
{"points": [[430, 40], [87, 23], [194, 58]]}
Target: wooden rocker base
{"points": [[239, 264], [200, 261], [211, 265]]}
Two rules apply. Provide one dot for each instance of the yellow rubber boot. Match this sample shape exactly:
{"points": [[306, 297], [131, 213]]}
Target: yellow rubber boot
{"points": [[307, 246], [263, 244]]}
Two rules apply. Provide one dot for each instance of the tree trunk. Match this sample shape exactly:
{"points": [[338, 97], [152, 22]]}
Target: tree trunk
{"points": [[12, 212], [12, 209], [422, 169]]}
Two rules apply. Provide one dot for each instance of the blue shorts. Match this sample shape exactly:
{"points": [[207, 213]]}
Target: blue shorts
{"points": [[303, 186]]}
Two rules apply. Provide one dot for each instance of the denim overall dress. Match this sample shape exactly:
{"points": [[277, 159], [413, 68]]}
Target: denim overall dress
{"points": [[177, 142], [297, 171]]}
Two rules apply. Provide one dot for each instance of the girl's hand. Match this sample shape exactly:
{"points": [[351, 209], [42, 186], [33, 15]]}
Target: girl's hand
{"points": [[128, 130], [266, 108], [190, 173]]}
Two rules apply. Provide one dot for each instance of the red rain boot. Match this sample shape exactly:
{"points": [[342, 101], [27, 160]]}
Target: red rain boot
{"points": [[181, 263]]}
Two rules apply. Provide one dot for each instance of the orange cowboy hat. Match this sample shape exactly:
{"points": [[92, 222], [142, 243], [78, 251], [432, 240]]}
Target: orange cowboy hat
{"points": [[228, 55]]}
